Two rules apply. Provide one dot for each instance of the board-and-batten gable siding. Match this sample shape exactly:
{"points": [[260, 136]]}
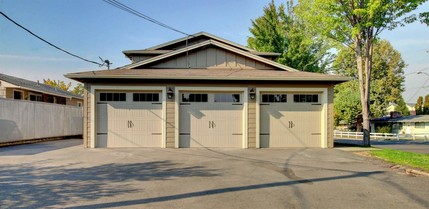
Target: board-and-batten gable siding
{"points": [[210, 57]]}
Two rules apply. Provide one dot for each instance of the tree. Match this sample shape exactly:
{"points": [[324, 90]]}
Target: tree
{"points": [[78, 89], [402, 107], [419, 106], [388, 75], [346, 102], [426, 105], [279, 30], [357, 24], [58, 84]]}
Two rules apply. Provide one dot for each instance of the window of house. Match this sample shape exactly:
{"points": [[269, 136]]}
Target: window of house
{"points": [[146, 97], [274, 98], [233, 98], [79, 104], [188, 97], [35, 97], [306, 98], [115, 97], [419, 125], [17, 94]]}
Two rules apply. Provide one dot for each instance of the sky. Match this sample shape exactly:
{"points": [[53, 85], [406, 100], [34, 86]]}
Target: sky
{"points": [[93, 29]]}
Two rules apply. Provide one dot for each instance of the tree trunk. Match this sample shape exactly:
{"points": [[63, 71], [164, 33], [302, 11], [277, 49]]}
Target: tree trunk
{"points": [[366, 105], [363, 87]]}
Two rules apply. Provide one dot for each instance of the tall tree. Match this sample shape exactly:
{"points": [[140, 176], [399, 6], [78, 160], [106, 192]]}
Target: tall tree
{"points": [[419, 106], [58, 84], [388, 71], [402, 107], [279, 30], [426, 105], [357, 24]]}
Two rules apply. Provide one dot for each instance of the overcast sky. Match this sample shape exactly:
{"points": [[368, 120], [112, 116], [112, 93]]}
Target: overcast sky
{"points": [[93, 28]]}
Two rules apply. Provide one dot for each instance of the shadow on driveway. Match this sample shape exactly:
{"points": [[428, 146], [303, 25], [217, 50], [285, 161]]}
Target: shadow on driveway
{"points": [[37, 187]]}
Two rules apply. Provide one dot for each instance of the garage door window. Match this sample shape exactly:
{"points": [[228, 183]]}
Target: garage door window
{"points": [[187, 97], [230, 98], [274, 98], [146, 97], [116, 97], [306, 98]]}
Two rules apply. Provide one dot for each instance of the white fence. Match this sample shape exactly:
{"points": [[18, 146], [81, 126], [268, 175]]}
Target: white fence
{"points": [[359, 135], [22, 120]]}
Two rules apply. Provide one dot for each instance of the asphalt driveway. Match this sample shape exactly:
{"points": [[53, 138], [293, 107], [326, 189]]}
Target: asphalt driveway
{"points": [[63, 174]]}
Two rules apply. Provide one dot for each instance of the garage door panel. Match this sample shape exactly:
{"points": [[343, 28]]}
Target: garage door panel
{"points": [[290, 125], [130, 124], [211, 124]]}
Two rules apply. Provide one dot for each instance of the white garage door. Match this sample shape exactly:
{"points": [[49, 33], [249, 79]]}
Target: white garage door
{"points": [[290, 120], [129, 119], [211, 120]]}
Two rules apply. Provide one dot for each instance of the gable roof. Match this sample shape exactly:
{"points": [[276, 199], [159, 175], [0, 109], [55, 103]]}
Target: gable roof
{"points": [[156, 49], [204, 44], [37, 87]]}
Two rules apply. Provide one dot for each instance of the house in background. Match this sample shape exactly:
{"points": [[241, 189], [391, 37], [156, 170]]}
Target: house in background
{"points": [[205, 91], [17, 88], [413, 124], [392, 108]]}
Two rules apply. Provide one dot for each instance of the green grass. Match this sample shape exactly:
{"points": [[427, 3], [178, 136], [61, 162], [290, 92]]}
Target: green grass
{"points": [[403, 158]]}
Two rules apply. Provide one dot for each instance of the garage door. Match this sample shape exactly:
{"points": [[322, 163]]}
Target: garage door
{"points": [[129, 119], [211, 120], [290, 120]]}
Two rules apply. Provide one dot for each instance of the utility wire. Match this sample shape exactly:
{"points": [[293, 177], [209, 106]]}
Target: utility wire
{"points": [[124, 7], [79, 57]]}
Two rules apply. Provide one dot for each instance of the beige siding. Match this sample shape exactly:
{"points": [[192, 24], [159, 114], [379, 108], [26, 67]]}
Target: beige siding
{"points": [[211, 58], [87, 115], [251, 125], [330, 125], [141, 58], [171, 127], [74, 101]]}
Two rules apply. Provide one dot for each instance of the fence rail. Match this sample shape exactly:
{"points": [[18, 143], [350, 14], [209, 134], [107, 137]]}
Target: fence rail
{"points": [[359, 135], [24, 120]]}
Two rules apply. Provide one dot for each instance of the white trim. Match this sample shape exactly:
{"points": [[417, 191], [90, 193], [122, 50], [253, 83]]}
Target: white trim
{"points": [[243, 90], [94, 89], [324, 112]]}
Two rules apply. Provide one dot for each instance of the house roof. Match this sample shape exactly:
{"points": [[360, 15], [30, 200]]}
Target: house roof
{"points": [[404, 119], [37, 87], [207, 74], [155, 49], [205, 44]]}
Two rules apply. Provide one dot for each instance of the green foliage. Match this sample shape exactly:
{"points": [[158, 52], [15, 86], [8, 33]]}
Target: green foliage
{"points": [[388, 75], [383, 129], [347, 102], [78, 89], [402, 107], [426, 105], [58, 84], [279, 30], [419, 106], [403, 158]]}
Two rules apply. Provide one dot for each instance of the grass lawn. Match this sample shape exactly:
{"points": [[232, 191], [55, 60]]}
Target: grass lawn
{"points": [[403, 158]]}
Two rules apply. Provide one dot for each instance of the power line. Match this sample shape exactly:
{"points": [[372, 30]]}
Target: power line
{"points": [[124, 7], [69, 53]]}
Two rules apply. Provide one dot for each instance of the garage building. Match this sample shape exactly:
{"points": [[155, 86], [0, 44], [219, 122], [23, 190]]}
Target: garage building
{"points": [[205, 91]]}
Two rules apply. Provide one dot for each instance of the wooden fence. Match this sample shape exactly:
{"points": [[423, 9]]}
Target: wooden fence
{"points": [[25, 120]]}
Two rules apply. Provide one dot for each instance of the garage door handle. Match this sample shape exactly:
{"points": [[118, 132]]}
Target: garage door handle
{"points": [[130, 124]]}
